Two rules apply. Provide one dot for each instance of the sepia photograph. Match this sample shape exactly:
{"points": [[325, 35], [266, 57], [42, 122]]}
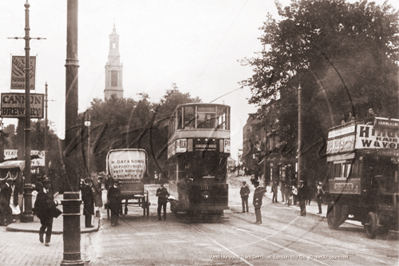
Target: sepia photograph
{"points": [[188, 132]]}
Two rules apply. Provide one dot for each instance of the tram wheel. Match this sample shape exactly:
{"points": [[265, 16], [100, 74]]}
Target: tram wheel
{"points": [[371, 225], [333, 215]]}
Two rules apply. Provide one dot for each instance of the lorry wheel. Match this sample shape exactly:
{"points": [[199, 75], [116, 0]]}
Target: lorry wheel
{"points": [[333, 215], [384, 231], [371, 225]]}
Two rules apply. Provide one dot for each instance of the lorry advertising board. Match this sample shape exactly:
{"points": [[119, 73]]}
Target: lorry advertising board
{"points": [[370, 137]]}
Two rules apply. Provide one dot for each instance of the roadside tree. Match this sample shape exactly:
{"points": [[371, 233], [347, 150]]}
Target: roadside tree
{"points": [[344, 56]]}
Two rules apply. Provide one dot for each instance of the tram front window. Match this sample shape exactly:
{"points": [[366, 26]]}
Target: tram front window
{"points": [[206, 116], [206, 164], [189, 117]]}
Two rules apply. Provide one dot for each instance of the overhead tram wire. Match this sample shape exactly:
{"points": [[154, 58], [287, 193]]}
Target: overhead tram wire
{"points": [[225, 94], [217, 48]]}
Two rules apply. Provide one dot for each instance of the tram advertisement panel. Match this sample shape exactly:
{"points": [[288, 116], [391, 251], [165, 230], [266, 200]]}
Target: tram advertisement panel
{"points": [[127, 164]]}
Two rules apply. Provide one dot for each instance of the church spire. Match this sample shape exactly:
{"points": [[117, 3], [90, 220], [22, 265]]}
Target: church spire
{"points": [[113, 68]]}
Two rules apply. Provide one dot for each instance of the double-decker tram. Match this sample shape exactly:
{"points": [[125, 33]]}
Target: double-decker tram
{"points": [[198, 148]]}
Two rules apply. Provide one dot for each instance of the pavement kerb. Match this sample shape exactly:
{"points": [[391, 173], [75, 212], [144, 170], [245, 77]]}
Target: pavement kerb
{"points": [[34, 227], [58, 223]]}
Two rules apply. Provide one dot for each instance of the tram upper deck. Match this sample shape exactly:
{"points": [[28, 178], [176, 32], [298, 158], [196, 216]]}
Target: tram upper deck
{"points": [[199, 127]]}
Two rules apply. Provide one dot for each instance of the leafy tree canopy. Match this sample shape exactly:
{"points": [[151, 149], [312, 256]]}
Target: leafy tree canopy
{"points": [[344, 55]]}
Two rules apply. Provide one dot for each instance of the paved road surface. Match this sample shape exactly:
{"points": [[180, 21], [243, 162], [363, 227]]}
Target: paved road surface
{"points": [[284, 238]]}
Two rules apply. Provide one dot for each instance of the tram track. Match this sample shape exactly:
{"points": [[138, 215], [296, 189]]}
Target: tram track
{"points": [[300, 239]]}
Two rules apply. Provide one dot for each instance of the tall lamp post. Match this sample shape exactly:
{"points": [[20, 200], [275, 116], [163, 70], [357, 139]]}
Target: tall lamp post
{"points": [[27, 215], [87, 124], [45, 132], [71, 200]]}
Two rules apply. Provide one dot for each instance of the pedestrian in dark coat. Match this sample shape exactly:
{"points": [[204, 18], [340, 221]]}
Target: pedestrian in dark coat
{"points": [[44, 209], [5, 198], [88, 202], [97, 193], [244, 192], [274, 191], [162, 194], [257, 202], [114, 201], [302, 196]]}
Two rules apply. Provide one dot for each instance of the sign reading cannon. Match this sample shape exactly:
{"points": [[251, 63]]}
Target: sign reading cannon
{"points": [[13, 105], [18, 72]]}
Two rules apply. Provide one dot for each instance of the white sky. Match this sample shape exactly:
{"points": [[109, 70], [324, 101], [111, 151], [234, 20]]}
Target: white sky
{"points": [[193, 43]]}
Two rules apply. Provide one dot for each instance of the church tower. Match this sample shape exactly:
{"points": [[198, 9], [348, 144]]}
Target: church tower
{"points": [[113, 68]]}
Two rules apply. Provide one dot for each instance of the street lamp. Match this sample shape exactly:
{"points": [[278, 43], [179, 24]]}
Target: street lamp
{"points": [[87, 124]]}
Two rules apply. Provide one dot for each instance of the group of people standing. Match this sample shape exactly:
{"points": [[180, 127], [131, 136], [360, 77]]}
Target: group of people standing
{"points": [[10, 189], [257, 199], [301, 194], [91, 196]]}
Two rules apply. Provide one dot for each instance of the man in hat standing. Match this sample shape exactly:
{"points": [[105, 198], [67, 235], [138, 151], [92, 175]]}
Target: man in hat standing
{"points": [[244, 192], [319, 196], [258, 196], [44, 206], [302, 196], [114, 201], [162, 194], [88, 202]]}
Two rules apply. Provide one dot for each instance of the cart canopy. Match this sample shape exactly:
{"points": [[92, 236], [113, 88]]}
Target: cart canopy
{"points": [[13, 164]]}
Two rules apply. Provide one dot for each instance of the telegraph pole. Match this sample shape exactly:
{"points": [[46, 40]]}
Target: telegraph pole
{"points": [[71, 201], [27, 214], [299, 134], [45, 132]]}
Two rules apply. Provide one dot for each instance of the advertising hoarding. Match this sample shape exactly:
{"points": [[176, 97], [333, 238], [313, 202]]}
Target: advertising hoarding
{"points": [[13, 105], [18, 72]]}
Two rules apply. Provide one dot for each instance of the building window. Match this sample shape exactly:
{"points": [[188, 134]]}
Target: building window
{"points": [[114, 78]]}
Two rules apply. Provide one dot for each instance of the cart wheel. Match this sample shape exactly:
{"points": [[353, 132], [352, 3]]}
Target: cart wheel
{"points": [[147, 202], [371, 225], [333, 215]]}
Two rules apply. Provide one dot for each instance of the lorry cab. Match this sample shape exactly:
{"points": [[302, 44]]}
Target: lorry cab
{"points": [[362, 173]]}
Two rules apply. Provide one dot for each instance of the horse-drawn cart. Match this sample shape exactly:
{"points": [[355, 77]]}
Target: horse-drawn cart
{"points": [[128, 166]]}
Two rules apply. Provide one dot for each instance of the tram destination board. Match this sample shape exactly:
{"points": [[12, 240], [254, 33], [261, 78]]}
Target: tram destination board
{"points": [[205, 145]]}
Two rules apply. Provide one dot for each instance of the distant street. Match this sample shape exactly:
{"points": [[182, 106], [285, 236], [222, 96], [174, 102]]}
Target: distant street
{"points": [[283, 238]]}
